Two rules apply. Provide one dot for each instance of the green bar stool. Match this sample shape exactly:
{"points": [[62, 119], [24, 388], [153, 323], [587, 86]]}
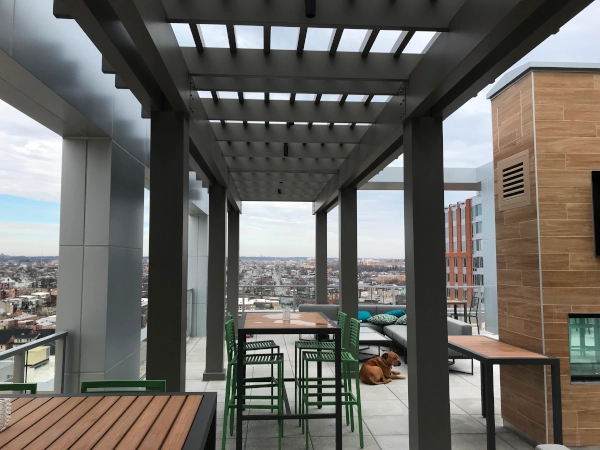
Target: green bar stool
{"points": [[272, 359], [349, 363], [315, 346], [117, 386], [19, 387]]}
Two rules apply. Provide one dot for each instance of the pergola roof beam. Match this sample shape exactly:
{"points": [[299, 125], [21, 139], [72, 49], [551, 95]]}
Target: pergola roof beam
{"points": [[335, 41], [231, 38], [283, 165], [368, 42], [281, 133], [282, 111], [402, 42], [277, 198], [266, 84], [277, 176], [301, 40], [416, 15], [216, 62], [197, 35], [285, 185], [295, 150], [267, 38]]}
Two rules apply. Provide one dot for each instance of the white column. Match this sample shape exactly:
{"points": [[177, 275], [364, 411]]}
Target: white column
{"points": [[99, 283]]}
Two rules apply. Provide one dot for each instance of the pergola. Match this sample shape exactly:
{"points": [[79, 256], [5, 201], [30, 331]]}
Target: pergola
{"points": [[304, 148]]}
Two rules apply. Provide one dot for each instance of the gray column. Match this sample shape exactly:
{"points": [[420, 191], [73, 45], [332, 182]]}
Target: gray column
{"points": [[428, 395], [233, 263], [321, 257], [348, 253], [167, 282], [101, 234], [215, 308], [199, 327]]}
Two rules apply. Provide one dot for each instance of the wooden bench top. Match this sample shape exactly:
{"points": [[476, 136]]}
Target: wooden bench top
{"points": [[106, 422], [491, 348]]}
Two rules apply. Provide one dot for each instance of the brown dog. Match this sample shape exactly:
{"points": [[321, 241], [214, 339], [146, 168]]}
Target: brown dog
{"points": [[378, 370]]}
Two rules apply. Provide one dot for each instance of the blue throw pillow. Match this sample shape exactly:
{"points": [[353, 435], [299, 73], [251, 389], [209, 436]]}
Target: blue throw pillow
{"points": [[383, 319], [396, 313], [364, 316]]}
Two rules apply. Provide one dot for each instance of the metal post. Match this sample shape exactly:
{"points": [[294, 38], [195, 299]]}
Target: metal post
{"points": [[490, 420], [321, 257], [425, 284], [19, 368], [215, 310], [556, 402], [233, 263], [59, 364], [169, 217]]}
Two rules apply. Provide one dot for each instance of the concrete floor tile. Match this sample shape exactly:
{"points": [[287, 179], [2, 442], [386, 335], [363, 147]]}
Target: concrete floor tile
{"points": [[393, 442], [463, 424], [472, 406], [476, 442], [349, 443], [326, 428], [500, 429], [387, 425], [287, 443], [195, 386], [516, 442], [465, 392], [384, 408], [230, 444]]}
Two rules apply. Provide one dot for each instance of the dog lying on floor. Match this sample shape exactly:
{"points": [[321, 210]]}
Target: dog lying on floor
{"points": [[378, 370]]}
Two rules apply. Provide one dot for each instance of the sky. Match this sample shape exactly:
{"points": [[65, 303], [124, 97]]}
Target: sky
{"points": [[30, 158]]}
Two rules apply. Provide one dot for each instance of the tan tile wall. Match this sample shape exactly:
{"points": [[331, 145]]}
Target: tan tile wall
{"points": [[567, 128], [517, 250], [566, 115]]}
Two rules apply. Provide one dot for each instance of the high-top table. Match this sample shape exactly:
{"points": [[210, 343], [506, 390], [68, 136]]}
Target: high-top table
{"points": [[489, 352], [456, 303], [179, 421], [262, 323]]}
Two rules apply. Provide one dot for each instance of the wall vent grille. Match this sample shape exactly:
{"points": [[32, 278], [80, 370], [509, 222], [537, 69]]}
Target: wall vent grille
{"points": [[514, 183]]}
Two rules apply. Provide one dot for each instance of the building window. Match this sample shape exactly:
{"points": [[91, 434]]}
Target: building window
{"points": [[447, 293], [447, 262], [448, 277], [477, 245], [478, 227], [464, 278], [456, 278], [455, 262], [464, 262], [465, 294], [455, 293]]}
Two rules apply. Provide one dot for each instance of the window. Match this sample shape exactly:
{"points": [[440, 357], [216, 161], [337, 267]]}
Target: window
{"points": [[447, 293], [447, 262], [464, 262], [465, 294], [477, 245], [456, 278], [448, 277], [455, 293], [584, 347], [455, 262], [464, 278]]}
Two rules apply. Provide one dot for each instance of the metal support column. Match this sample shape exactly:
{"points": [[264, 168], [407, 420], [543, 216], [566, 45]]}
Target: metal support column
{"points": [[215, 309], [167, 284], [233, 263], [321, 257], [428, 392], [348, 252]]}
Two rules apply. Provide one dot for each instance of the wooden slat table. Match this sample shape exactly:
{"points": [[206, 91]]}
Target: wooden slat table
{"points": [[300, 323], [489, 352], [131, 420], [456, 304]]}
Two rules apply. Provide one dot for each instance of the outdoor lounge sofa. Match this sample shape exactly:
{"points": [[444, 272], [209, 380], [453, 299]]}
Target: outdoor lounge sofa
{"points": [[398, 333]]}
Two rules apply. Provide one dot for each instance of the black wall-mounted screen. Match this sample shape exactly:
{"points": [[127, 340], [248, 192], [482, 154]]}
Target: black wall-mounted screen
{"points": [[596, 209]]}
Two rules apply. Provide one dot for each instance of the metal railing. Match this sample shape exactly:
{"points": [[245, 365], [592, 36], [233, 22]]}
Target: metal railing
{"points": [[272, 297], [20, 360]]}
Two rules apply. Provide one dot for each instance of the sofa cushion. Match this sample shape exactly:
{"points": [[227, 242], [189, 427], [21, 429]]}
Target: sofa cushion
{"points": [[384, 309], [401, 320], [383, 319], [331, 311], [458, 327], [367, 307], [364, 316], [397, 313], [397, 333]]}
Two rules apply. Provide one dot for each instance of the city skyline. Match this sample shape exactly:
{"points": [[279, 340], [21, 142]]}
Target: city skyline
{"points": [[30, 164]]}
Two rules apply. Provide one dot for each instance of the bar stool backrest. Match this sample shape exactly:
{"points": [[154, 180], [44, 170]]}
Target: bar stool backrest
{"points": [[353, 342], [341, 321], [230, 340]]}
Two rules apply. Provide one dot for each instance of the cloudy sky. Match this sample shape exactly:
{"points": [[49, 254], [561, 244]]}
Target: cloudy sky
{"points": [[30, 159]]}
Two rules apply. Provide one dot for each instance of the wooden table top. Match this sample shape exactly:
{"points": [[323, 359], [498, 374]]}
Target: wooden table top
{"points": [[274, 320], [457, 302], [106, 422], [491, 348]]}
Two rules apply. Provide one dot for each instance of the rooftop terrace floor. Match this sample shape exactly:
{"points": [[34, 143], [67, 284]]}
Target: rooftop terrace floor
{"points": [[384, 409]]}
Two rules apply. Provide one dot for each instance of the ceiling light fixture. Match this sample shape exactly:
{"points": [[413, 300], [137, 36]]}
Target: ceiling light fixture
{"points": [[311, 8]]}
